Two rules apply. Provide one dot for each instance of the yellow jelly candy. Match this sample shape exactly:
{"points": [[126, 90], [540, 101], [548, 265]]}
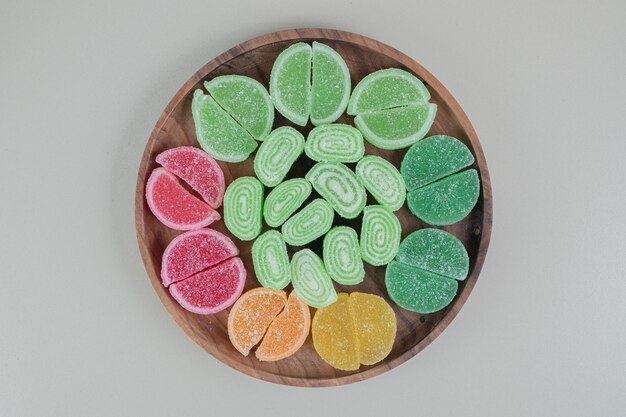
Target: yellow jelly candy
{"points": [[333, 335], [356, 329]]}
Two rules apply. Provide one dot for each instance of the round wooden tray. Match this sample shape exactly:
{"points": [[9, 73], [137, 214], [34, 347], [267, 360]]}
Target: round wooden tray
{"points": [[175, 127]]}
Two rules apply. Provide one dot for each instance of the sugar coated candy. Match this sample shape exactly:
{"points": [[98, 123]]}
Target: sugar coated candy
{"points": [[243, 205], [339, 186], [270, 259], [382, 180], [276, 155], [331, 85], [334, 143], [342, 256], [380, 235], [310, 279], [313, 221], [290, 83], [284, 200]]}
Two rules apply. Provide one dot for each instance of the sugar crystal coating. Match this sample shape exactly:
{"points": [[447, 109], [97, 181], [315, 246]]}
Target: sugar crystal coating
{"points": [[276, 155], [339, 186], [334, 143], [380, 235], [446, 201], [270, 259], [382, 180], [342, 256], [217, 132], [331, 85], [290, 83], [284, 200], [313, 221], [436, 251], [310, 279], [212, 290], [243, 203]]}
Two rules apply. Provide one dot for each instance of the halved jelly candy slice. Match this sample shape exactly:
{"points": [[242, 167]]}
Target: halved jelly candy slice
{"points": [[284, 200], [339, 186], [212, 290], [397, 127], [380, 235], [246, 100], [342, 256], [446, 201], [288, 331], [382, 180], [276, 155], [418, 290], [334, 143], [193, 252], [310, 279], [290, 83], [334, 335], [385, 89], [174, 206], [217, 132], [311, 222], [271, 262], [375, 326], [436, 251], [251, 315], [243, 203], [434, 158], [330, 90]]}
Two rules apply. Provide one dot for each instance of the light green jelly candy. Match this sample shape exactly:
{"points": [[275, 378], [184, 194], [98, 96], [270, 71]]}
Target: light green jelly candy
{"points": [[382, 180], [398, 127], [243, 203], [270, 259], [436, 251], [380, 235], [434, 158], [342, 256], [446, 201], [246, 100], [339, 186], [290, 83], [330, 89], [284, 200], [218, 133], [385, 89], [308, 224], [418, 290], [310, 279], [276, 155], [334, 143]]}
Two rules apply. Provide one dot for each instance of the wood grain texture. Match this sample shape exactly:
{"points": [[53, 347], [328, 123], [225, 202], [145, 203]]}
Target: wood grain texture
{"points": [[254, 58]]}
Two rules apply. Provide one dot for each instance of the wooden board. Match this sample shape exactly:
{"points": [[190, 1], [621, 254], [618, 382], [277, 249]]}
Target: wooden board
{"points": [[175, 127]]}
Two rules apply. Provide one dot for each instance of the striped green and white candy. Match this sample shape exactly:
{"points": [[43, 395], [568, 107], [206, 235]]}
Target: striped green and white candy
{"points": [[243, 204], [310, 279], [334, 143], [311, 222], [276, 155], [383, 181], [339, 186], [290, 83], [270, 259], [284, 200], [342, 256], [380, 235]]}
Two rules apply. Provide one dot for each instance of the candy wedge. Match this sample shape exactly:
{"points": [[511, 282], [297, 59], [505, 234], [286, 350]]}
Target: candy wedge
{"points": [[330, 89], [290, 83]]}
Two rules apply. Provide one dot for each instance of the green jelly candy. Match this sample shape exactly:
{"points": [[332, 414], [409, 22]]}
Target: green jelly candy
{"points": [[446, 201], [380, 235], [334, 143], [276, 155], [397, 127], [382, 180], [342, 256], [246, 100], [339, 186], [436, 251], [218, 133], [417, 290], [270, 259], [434, 158], [284, 200], [243, 203], [290, 83], [331, 85], [310, 279], [385, 89], [311, 222]]}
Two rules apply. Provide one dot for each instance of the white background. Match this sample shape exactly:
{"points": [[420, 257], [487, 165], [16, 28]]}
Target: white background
{"points": [[82, 332]]}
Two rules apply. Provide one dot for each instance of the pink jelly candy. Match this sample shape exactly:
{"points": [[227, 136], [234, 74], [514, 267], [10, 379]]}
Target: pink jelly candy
{"points": [[198, 169], [193, 252], [174, 206], [212, 290]]}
